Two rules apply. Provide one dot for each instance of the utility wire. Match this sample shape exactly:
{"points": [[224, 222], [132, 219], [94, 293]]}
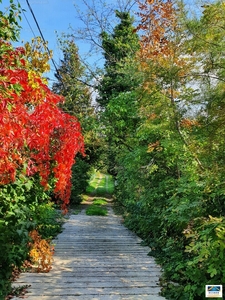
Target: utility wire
{"points": [[42, 36], [27, 20], [39, 29]]}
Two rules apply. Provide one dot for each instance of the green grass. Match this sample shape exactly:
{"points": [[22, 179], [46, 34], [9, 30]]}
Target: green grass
{"points": [[90, 189], [96, 210], [99, 202], [85, 197], [100, 185]]}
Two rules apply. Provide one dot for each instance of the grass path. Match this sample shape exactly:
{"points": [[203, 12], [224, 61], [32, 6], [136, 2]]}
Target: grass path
{"points": [[100, 185], [99, 195]]}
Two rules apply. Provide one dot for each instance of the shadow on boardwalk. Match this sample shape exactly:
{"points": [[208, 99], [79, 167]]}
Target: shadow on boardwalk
{"points": [[96, 258]]}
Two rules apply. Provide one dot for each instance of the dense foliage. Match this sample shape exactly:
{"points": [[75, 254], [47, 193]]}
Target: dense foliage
{"points": [[72, 84], [167, 144], [117, 95], [38, 145], [119, 48]]}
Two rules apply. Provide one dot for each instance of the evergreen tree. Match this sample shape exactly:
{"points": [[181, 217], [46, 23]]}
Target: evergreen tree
{"points": [[71, 84], [117, 90], [119, 49]]}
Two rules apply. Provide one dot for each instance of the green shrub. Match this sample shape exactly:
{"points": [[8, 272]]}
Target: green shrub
{"points": [[24, 206], [206, 248], [16, 220], [49, 220], [80, 178]]}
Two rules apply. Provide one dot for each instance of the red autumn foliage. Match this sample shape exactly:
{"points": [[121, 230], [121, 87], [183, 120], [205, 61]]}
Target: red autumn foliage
{"points": [[35, 135]]}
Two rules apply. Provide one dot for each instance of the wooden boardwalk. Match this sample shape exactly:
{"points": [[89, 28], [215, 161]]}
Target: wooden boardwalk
{"points": [[96, 258]]}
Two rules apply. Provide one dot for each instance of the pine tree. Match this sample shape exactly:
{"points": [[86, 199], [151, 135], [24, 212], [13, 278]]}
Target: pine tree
{"points": [[119, 49], [70, 84]]}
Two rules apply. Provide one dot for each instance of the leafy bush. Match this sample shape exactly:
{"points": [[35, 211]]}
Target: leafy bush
{"points": [[20, 213], [80, 178], [48, 220], [205, 248], [16, 220], [171, 215]]}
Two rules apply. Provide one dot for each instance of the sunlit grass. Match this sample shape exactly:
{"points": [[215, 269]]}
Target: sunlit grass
{"points": [[100, 202], [100, 185], [96, 210]]}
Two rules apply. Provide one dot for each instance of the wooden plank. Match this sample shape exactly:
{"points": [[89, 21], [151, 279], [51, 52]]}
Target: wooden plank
{"points": [[96, 258]]}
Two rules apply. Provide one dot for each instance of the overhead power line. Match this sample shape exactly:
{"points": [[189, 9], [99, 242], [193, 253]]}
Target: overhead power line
{"points": [[27, 20], [42, 36]]}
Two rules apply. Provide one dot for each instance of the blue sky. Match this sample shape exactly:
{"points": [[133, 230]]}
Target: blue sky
{"points": [[52, 16]]}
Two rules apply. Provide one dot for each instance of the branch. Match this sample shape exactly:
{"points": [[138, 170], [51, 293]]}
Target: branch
{"points": [[177, 124], [204, 75]]}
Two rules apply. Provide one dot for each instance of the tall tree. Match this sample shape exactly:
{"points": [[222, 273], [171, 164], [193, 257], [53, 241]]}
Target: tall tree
{"points": [[117, 89], [71, 83], [119, 48], [206, 44], [97, 16]]}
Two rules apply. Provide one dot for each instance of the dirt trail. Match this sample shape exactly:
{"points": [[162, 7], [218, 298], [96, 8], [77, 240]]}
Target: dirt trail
{"points": [[96, 258]]}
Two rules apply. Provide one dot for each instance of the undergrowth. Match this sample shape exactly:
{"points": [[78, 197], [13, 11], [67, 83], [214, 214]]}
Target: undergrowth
{"points": [[32, 248], [41, 252]]}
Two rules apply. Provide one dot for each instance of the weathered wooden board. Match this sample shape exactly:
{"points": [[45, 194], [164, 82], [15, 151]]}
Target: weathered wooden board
{"points": [[96, 258]]}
